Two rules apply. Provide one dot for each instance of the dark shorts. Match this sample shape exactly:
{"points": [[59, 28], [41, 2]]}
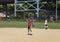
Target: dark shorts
{"points": [[28, 27], [46, 25]]}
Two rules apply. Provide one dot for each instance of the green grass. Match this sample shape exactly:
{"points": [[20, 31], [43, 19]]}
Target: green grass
{"points": [[17, 24], [23, 24], [51, 25]]}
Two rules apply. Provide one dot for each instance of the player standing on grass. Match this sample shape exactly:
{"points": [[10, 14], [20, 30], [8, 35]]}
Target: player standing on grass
{"points": [[29, 26], [46, 24]]}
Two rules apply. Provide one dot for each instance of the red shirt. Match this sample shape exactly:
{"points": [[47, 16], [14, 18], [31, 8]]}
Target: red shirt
{"points": [[29, 22]]}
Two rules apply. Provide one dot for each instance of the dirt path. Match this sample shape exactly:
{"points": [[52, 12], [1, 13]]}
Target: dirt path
{"points": [[20, 35]]}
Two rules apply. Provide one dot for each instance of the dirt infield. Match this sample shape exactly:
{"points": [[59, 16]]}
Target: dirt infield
{"points": [[20, 35]]}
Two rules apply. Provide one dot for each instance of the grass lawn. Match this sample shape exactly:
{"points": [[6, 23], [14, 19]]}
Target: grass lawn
{"points": [[23, 24]]}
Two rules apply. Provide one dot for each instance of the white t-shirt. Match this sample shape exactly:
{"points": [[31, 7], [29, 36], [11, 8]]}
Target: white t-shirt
{"points": [[46, 22]]}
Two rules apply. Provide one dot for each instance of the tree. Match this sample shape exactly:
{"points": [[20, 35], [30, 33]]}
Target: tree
{"points": [[58, 4]]}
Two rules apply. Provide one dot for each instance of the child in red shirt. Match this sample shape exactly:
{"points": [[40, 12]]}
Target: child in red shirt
{"points": [[29, 25]]}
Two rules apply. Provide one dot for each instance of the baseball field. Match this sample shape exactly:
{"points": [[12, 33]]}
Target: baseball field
{"points": [[16, 31], [20, 35]]}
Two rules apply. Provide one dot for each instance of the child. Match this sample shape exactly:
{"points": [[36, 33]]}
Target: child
{"points": [[46, 24], [29, 26]]}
